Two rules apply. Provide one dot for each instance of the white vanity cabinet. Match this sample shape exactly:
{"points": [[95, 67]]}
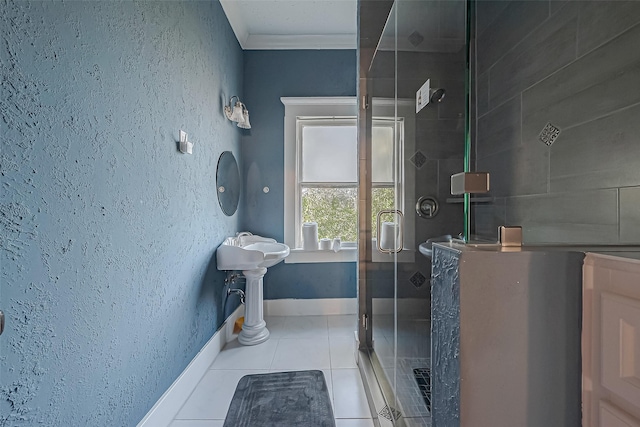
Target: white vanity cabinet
{"points": [[611, 341]]}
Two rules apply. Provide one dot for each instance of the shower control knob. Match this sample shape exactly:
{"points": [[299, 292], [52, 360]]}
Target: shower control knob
{"points": [[427, 207]]}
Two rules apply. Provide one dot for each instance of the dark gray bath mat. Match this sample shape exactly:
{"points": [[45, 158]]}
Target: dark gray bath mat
{"points": [[281, 399]]}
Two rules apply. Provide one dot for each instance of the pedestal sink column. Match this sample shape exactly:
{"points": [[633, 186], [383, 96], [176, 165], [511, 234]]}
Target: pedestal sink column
{"points": [[254, 330]]}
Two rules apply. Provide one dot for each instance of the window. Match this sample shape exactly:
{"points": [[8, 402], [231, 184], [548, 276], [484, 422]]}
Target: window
{"points": [[321, 172]]}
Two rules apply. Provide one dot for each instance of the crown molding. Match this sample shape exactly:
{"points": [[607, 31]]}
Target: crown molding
{"points": [[291, 42]]}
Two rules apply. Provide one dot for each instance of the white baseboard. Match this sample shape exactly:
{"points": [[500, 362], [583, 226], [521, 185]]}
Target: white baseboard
{"points": [[167, 407], [310, 307]]}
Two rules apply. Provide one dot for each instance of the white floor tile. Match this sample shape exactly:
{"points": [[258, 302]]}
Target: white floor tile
{"points": [[305, 327], [275, 325], [307, 353], [197, 423], [211, 398], [342, 349], [357, 422], [326, 343], [344, 325], [350, 400], [329, 380], [238, 356]]}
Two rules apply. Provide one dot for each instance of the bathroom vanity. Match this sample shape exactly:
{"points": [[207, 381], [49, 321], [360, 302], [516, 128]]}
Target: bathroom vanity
{"points": [[535, 336], [505, 336]]}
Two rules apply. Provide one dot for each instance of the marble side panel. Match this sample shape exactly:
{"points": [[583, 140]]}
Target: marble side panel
{"points": [[445, 338]]}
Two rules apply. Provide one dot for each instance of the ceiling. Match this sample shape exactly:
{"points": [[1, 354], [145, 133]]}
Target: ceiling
{"points": [[423, 26], [293, 24]]}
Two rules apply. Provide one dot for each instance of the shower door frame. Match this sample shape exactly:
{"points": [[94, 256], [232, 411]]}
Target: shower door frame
{"points": [[365, 57]]}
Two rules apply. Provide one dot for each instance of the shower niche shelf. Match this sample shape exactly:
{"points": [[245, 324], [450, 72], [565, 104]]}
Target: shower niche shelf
{"points": [[472, 199]]}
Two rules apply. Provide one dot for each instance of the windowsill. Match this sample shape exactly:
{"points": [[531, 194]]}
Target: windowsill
{"points": [[345, 254], [299, 256]]}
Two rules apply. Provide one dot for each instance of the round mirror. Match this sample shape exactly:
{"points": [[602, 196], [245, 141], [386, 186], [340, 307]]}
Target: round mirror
{"points": [[228, 183]]}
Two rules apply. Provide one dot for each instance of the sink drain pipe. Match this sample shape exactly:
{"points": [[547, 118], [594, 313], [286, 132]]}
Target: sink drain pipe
{"points": [[232, 279]]}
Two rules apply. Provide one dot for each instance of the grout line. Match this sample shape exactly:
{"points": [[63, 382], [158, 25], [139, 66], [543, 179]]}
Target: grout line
{"points": [[274, 353], [618, 212], [514, 48], [605, 115], [609, 40]]}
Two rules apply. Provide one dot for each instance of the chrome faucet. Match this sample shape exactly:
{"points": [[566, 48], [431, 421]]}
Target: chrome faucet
{"points": [[240, 235]]}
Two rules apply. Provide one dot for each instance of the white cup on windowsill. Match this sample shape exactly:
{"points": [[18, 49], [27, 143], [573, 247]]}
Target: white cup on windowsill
{"points": [[325, 244]]}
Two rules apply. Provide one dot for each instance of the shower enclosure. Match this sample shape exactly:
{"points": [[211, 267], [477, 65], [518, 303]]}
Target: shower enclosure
{"points": [[410, 202], [554, 106]]}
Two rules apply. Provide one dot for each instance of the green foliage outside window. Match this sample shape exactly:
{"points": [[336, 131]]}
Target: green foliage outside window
{"points": [[335, 210]]}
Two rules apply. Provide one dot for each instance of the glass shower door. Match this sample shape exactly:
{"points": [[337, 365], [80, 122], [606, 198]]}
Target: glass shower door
{"points": [[422, 41]]}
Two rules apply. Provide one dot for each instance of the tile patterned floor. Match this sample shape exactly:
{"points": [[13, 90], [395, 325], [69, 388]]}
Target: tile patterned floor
{"points": [[414, 351], [296, 343]]}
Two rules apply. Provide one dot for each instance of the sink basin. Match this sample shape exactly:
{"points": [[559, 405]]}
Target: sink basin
{"points": [[249, 252], [426, 248]]}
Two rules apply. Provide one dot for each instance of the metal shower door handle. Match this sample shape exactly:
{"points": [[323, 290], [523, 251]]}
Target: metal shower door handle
{"points": [[379, 231], [1, 322]]}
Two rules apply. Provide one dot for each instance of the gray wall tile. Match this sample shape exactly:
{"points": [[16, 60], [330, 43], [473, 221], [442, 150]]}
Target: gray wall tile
{"points": [[594, 99], [547, 49], [500, 129], [517, 171], [556, 5], [576, 217], [603, 81], [383, 87], [439, 66], [426, 178], [440, 139], [372, 18], [453, 104], [599, 22], [603, 153], [630, 215], [383, 66], [511, 25], [449, 220], [487, 12], [488, 217], [482, 91], [452, 19]]}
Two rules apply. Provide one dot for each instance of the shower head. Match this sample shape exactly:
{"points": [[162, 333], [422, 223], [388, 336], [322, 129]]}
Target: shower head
{"points": [[436, 95]]}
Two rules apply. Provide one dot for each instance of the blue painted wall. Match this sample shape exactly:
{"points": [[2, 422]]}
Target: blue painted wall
{"points": [[108, 233], [269, 75]]}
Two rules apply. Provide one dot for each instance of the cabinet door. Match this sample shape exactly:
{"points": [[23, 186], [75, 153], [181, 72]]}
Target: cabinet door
{"points": [[611, 342], [612, 417], [621, 346]]}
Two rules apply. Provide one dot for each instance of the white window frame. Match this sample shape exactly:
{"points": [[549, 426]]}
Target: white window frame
{"points": [[339, 108]]}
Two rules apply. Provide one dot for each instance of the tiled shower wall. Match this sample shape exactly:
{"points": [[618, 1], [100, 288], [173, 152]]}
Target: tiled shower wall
{"points": [[439, 141], [575, 65]]}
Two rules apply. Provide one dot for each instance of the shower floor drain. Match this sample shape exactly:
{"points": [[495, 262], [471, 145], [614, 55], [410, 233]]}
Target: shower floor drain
{"points": [[390, 413], [423, 378]]}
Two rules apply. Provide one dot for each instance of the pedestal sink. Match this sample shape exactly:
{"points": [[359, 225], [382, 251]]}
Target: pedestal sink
{"points": [[252, 255]]}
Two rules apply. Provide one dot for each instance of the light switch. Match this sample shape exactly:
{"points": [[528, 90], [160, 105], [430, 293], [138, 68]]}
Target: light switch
{"points": [[186, 147]]}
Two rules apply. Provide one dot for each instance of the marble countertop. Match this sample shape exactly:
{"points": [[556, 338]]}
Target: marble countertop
{"points": [[622, 251]]}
